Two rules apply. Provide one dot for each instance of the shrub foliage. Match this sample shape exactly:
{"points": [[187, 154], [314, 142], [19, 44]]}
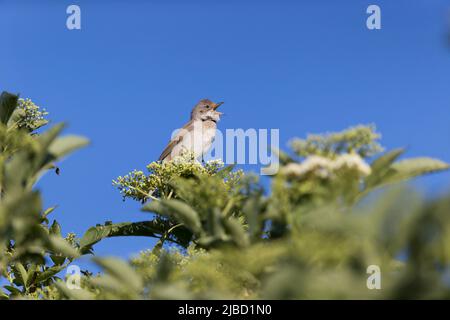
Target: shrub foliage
{"points": [[219, 233]]}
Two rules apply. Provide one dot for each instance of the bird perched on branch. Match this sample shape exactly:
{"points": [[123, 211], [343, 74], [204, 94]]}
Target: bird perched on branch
{"points": [[198, 134]]}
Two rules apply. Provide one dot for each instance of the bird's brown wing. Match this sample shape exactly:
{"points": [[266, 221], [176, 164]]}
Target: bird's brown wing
{"points": [[177, 139]]}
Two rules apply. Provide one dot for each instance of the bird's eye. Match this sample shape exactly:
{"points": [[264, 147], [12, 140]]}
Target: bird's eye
{"points": [[207, 107]]}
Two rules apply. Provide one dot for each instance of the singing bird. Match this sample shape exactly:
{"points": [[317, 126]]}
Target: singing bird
{"points": [[198, 134]]}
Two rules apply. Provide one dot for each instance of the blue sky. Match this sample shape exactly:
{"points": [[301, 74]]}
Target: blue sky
{"points": [[133, 72]]}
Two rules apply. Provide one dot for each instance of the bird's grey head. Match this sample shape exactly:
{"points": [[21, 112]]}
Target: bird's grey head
{"points": [[206, 110]]}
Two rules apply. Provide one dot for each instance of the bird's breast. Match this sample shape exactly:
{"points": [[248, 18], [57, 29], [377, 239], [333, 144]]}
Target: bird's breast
{"points": [[205, 136], [209, 132], [200, 139]]}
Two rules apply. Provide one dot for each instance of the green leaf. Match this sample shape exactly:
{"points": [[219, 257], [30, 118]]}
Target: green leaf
{"points": [[50, 272], [410, 168], [237, 232], [47, 138], [178, 209], [381, 166], [30, 275], [215, 226], [252, 210], [164, 268], [57, 259], [75, 294], [3, 295], [67, 144], [156, 207], [48, 211], [8, 102], [61, 246], [92, 236], [55, 228], [111, 284], [20, 273], [13, 290], [122, 271], [141, 229]]}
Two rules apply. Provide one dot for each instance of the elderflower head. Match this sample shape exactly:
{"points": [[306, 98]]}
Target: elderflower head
{"points": [[213, 166], [185, 157], [31, 116], [323, 168], [352, 161], [157, 182], [316, 165]]}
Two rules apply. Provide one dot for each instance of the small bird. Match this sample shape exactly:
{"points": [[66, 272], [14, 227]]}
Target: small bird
{"points": [[198, 134]]}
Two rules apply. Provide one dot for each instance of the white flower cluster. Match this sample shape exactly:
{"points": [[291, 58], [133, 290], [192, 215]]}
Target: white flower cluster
{"points": [[185, 157], [324, 168], [319, 166], [214, 165], [32, 116], [352, 161]]}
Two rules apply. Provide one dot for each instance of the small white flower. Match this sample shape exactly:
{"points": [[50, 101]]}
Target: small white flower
{"points": [[216, 162], [185, 157], [317, 165], [352, 161]]}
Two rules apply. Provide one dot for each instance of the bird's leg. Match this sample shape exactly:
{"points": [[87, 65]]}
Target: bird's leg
{"points": [[203, 160]]}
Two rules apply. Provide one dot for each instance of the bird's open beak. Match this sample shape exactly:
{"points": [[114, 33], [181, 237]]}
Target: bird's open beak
{"points": [[218, 105]]}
